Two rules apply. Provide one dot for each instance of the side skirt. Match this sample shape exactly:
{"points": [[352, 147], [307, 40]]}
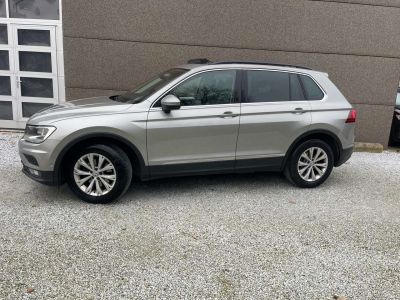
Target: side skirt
{"points": [[272, 164]]}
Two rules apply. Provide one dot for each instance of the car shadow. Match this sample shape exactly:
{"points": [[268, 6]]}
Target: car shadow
{"points": [[205, 183], [188, 186]]}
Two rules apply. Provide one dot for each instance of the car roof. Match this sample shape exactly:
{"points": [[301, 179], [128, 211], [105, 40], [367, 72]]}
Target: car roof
{"points": [[203, 64]]}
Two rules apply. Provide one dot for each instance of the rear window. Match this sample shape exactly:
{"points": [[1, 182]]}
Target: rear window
{"points": [[312, 90]]}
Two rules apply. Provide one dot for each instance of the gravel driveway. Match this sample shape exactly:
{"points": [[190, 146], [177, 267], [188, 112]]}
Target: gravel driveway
{"points": [[235, 236]]}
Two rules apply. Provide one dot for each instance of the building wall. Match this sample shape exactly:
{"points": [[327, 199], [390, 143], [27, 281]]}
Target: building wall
{"points": [[111, 46]]}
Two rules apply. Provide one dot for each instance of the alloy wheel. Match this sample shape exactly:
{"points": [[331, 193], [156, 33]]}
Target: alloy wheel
{"points": [[95, 174], [312, 164]]}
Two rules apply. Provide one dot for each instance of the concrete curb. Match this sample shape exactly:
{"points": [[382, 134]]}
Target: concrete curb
{"points": [[368, 147]]}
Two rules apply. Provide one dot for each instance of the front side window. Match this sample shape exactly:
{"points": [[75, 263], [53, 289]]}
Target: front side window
{"points": [[312, 90], [398, 99], [208, 88]]}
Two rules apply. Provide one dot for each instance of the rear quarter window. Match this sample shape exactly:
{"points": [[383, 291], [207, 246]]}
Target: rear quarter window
{"points": [[311, 89]]}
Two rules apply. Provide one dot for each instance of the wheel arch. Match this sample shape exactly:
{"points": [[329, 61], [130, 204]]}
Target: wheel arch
{"points": [[327, 136], [136, 158]]}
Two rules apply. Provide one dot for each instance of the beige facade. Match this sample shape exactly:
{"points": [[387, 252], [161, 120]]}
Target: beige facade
{"points": [[111, 46]]}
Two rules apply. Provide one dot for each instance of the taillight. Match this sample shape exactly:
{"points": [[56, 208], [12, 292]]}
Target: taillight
{"points": [[397, 114], [352, 116]]}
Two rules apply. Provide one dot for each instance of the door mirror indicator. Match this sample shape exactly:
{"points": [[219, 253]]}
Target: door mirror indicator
{"points": [[170, 102]]}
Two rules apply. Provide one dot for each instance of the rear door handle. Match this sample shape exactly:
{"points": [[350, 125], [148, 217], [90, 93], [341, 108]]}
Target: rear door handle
{"points": [[228, 114], [298, 111]]}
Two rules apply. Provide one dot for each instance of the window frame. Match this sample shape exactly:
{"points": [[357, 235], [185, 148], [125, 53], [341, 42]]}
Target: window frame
{"points": [[25, 21], [237, 89], [8, 15], [245, 86]]}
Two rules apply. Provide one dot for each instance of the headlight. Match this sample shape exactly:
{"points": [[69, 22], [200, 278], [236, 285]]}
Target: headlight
{"points": [[37, 134]]}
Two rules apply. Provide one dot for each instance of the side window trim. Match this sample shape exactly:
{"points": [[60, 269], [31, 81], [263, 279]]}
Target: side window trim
{"points": [[244, 89], [235, 88]]}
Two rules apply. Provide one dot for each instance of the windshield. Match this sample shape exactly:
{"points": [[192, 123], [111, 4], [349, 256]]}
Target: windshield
{"points": [[148, 88]]}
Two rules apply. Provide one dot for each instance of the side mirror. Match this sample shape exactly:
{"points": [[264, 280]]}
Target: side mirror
{"points": [[170, 102]]}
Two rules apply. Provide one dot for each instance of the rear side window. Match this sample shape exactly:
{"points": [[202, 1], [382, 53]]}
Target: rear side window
{"points": [[296, 91], [312, 90], [273, 86], [267, 86]]}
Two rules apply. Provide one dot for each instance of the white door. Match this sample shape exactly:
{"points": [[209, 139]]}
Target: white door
{"points": [[28, 72]]}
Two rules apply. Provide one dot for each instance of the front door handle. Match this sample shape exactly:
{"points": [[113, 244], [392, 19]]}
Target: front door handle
{"points": [[298, 111], [228, 114]]}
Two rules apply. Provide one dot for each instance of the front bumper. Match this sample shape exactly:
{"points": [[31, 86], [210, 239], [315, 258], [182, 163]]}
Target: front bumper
{"points": [[37, 156], [37, 161], [43, 177]]}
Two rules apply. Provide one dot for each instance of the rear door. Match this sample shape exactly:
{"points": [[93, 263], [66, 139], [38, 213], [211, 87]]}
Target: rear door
{"points": [[274, 113], [201, 136]]}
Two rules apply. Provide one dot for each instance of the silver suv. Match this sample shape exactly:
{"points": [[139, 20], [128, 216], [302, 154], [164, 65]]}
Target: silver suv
{"points": [[199, 118]]}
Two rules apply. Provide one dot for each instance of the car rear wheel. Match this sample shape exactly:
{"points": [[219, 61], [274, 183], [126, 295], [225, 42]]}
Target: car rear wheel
{"points": [[99, 174], [310, 164]]}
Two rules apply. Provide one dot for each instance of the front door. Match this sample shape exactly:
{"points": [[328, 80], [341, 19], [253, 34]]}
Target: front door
{"points": [[201, 136], [28, 72]]}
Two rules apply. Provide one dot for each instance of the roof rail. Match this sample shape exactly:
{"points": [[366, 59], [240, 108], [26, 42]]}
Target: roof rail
{"points": [[199, 61], [257, 63]]}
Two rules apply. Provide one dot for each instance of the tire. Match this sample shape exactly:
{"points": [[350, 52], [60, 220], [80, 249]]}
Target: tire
{"points": [[111, 175], [320, 165]]}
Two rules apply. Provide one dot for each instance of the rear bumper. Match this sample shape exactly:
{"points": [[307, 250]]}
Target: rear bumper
{"points": [[43, 177], [344, 156], [395, 132]]}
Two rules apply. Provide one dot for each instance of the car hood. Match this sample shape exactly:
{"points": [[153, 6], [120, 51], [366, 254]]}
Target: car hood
{"points": [[78, 108]]}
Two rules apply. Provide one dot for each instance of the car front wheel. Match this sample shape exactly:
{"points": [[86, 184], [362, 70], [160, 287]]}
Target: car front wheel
{"points": [[99, 174], [310, 164]]}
